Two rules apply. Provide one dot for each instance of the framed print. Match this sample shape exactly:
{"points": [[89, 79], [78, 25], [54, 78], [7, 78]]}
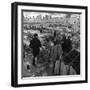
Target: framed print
{"points": [[49, 44]]}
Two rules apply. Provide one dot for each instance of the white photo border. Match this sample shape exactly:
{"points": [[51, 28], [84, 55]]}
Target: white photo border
{"points": [[52, 79]]}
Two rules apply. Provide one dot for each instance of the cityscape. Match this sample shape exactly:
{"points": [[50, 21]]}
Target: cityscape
{"points": [[72, 18], [46, 26]]}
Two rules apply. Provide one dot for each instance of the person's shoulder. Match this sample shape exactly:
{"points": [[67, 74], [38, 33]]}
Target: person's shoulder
{"points": [[34, 39], [38, 40]]}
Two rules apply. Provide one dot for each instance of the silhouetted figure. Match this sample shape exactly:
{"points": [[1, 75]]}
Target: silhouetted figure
{"points": [[35, 44], [66, 45]]}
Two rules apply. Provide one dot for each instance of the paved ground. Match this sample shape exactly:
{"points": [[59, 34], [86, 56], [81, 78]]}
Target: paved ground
{"points": [[41, 69]]}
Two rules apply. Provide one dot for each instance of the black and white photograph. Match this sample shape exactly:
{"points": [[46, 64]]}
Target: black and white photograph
{"points": [[49, 44]]}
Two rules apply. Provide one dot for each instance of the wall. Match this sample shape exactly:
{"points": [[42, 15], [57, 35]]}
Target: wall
{"points": [[5, 45]]}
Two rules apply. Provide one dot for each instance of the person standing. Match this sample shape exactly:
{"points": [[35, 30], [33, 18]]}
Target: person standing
{"points": [[35, 44], [56, 54], [66, 45]]}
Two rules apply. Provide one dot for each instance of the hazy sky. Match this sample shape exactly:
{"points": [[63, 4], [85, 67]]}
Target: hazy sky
{"points": [[31, 14]]}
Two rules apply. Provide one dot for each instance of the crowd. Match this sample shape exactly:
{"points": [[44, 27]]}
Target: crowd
{"points": [[58, 52]]}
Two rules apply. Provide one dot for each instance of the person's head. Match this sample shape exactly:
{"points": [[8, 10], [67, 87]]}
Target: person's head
{"points": [[35, 35]]}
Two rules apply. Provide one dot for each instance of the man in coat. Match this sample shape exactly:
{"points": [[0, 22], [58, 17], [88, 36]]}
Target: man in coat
{"points": [[35, 44]]}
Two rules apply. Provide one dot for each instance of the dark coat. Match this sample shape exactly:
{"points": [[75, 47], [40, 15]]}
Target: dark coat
{"points": [[67, 45], [35, 44]]}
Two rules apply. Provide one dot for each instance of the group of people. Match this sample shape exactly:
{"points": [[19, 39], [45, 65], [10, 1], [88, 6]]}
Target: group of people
{"points": [[52, 51]]}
